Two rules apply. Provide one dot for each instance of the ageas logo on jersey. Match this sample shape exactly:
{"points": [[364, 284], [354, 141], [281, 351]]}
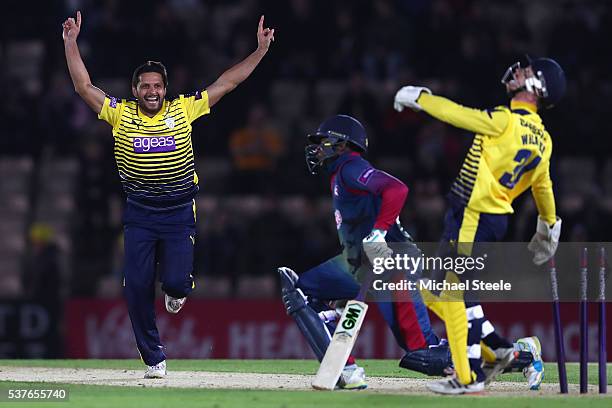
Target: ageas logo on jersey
{"points": [[154, 144]]}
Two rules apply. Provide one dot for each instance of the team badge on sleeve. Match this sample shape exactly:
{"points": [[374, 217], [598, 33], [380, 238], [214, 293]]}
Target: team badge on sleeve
{"points": [[365, 175]]}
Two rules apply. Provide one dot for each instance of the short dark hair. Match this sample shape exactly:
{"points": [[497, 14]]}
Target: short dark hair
{"points": [[150, 66]]}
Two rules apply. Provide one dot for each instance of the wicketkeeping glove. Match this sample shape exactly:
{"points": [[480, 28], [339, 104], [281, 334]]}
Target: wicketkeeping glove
{"points": [[545, 241], [407, 97], [375, 246]]}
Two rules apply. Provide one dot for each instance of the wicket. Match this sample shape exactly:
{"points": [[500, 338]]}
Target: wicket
{"points": [[603, 377], [584, 336], [558, 328], [584, 323]]}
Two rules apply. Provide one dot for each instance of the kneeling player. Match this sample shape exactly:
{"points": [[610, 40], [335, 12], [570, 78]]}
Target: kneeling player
{"points": [[367, 203]]}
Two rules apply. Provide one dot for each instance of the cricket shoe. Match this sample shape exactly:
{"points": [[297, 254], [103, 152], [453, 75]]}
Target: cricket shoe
{"points": [[535, 371], [174, 305], [353, 378], [156, 371], [454, 387], [505, 357]]}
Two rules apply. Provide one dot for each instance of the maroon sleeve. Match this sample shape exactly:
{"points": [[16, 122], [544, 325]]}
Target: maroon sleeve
{"points": [[392, 191]]}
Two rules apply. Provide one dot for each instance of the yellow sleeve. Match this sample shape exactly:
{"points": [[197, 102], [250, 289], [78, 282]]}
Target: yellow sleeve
{"points": [[542, 192], [484, 122], [111, 110], [196, 104]]}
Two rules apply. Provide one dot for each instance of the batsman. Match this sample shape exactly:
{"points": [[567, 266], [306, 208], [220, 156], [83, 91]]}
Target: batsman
{"points": [[510, 153], [367, 203]]}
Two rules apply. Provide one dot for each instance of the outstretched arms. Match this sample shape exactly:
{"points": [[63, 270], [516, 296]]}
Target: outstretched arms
{"points": [[486, 122], [94, 97], [231, 78]]}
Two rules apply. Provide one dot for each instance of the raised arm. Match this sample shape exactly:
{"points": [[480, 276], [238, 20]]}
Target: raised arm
{"points": [[94, 97], [486, 122], [231, 78]]}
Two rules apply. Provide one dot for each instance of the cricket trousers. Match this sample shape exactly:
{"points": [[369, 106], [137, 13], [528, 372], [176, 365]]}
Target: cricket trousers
{"points": [[408, 320], [464, 228], [158, 243]]}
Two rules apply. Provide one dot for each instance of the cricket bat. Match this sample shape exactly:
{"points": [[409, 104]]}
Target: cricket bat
{"points": [[341, 344]]}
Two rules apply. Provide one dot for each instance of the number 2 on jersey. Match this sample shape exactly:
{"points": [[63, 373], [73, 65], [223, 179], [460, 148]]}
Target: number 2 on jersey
{"points": [[509, 180]]}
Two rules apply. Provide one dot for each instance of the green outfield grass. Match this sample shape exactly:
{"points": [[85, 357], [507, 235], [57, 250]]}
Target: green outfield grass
{"points": [[374, 368], [105, 396]]}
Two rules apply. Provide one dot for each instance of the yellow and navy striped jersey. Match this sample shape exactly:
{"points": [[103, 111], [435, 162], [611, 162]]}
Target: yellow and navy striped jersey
{"points": [[510, 152], [154, 155]]}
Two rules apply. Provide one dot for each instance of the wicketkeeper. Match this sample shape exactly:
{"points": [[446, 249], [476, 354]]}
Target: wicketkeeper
{"points": [[510, 154]]}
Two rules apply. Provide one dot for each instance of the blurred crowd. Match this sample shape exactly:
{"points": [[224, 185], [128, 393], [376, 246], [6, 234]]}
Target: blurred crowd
{"points": [[258, 206]]}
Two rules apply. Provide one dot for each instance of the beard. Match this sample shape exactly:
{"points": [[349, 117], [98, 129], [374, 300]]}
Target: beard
{"points": [[150, 108]]}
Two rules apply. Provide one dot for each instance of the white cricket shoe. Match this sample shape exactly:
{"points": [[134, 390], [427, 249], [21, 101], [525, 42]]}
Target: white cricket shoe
{"points": [[535, 371], [454, 387], [353, 378], [174, 305], [156, 371], [505, 357]]}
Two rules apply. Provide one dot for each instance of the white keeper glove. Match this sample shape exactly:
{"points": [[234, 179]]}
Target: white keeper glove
{"points": [[545, 241], [407, 97], [375, 246]]}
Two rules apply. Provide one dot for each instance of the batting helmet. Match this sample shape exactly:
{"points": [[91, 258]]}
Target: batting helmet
{"points": [[548, 81], [335, 130], [553, 78]]}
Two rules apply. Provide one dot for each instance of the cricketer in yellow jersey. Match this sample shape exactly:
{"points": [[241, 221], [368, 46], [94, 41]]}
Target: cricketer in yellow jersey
{"points": [[155, 160], [510, 153]]}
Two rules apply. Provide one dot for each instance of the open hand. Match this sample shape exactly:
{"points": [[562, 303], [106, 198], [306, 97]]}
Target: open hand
{"points": [[71, 28], [264, 36]]}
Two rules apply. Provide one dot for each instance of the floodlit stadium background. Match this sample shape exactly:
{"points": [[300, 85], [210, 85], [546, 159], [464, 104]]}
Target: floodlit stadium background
{"points": [[61, 202]]}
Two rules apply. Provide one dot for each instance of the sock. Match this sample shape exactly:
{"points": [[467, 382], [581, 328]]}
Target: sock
{"points": [[495, 341], [475, 366]]}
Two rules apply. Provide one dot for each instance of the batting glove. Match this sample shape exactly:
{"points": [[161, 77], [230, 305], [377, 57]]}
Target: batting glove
{"points": [[545, 241], [408, 96], [375, 246], [403, 231]]}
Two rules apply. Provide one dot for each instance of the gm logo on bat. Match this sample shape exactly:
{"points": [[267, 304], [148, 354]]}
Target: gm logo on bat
{"points": [[351, 316]]}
